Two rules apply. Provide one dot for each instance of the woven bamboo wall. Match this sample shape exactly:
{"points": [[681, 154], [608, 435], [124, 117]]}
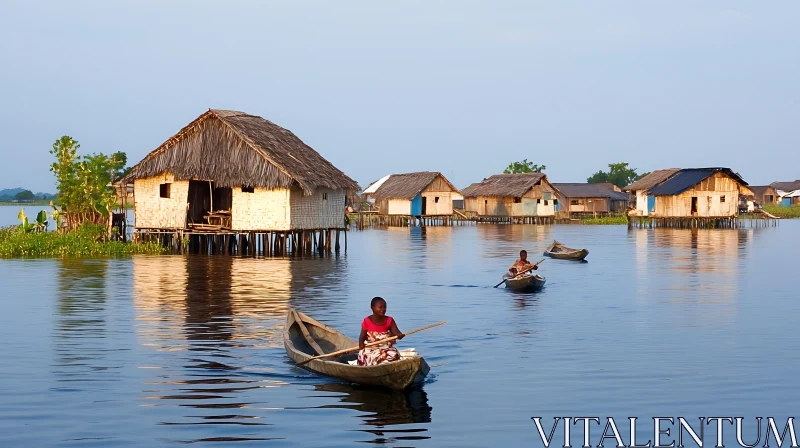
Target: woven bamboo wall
{"points": [[154, 212], [263, 209], [322, 210]]}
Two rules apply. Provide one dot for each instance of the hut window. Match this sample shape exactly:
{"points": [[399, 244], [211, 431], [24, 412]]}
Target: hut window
{"points": [[248, 189], [538, 201], [573, 202], [486, 202], [163, 190], [722, 199], [545, 202], [517, 200], [436, 199], [324, 196]]}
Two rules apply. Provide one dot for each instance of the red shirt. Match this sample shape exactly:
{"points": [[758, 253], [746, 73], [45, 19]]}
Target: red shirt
{"points": [[369, 326]]}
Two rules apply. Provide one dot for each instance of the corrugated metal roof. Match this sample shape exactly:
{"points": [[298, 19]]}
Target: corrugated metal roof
{"points": [[373, 187], [688, 178]]}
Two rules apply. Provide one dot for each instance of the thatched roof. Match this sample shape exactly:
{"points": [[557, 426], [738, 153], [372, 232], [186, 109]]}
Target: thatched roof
{"points": [[786, 186], [581, 190], [688, 178], [237, 149], [652, 179], [406, 186], [504, 185]]}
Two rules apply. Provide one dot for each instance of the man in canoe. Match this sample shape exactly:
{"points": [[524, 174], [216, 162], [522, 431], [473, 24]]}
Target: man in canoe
{"points": [[521, 264], [374, 328]]}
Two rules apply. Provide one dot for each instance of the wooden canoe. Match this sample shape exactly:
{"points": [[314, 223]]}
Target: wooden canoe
{"points": [[526, 283], [562, 252], [394, 375]]}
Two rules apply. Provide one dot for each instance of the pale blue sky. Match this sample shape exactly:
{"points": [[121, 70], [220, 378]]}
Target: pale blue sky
{"points": [[461, 87]]}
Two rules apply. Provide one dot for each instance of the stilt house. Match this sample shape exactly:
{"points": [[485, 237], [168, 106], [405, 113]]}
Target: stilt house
{"points": [[699, 192], [591, 198], [419, 194], [644, 202], [511, 195], [229, 170]]}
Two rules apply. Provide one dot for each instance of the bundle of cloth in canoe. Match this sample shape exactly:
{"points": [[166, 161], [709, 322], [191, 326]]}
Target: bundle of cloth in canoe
{"points": [[372, 360]]}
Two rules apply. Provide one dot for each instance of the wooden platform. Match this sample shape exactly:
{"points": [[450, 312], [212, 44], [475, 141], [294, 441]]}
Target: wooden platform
{"points": [[206, 240]]}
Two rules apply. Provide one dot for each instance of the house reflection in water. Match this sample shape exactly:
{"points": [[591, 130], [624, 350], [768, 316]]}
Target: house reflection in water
{"points": [[692, 266]]}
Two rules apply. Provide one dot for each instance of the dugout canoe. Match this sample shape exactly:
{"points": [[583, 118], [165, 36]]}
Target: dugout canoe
{"points": [[526, 283], [562, 252], [398, 375]]}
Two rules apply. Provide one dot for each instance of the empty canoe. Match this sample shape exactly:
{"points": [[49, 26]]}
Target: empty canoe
{"points": [[399, 374], [562, 252]]}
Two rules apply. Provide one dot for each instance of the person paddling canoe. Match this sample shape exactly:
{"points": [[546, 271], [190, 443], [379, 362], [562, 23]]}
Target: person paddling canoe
{"points": [[521, 264], [376, 327]]}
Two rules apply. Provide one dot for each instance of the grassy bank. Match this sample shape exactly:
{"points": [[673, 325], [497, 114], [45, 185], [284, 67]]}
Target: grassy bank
{"points": [[606, 220], [783, 212], [88, 241]]}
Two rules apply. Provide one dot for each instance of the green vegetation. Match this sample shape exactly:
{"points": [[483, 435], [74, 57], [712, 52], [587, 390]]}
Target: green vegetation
{"points": [[783, 212], [618, 174], [88, 240], [606, 220], [524, 167]]}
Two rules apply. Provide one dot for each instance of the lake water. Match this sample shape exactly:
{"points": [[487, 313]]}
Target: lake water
{"points": [[154, 351]]}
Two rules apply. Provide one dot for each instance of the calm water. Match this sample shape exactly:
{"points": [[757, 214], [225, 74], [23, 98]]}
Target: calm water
{"points": [[154, 351]]}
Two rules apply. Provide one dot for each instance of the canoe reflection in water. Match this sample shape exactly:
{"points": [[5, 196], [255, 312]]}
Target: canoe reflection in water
{"points": [[384, 407]]}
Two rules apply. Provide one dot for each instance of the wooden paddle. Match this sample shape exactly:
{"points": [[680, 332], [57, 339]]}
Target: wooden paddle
{"points": [[382, 341], [519, 273]]}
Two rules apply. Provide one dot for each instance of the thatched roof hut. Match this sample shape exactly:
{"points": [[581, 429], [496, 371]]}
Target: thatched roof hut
{"points": [[514, 195], [235, 149], [501, 185], [595, 198], [237, 171], [765, 194], [425, 193], [651, 180]]}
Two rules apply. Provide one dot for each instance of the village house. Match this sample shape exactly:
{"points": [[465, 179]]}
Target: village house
{"points": [[788, 192], [231, 171], [513, 196], [420, 194], [644, 202], [579, 198], [764, 195], [699, 192]]}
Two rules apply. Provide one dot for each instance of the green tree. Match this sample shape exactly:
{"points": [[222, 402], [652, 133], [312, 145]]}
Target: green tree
{"points": [[524, 167], [618, 174], [83, 183], [25, 195], [118, 160]]}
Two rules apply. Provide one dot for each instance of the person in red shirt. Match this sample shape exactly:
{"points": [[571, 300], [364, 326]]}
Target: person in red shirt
{"points": [[376, 327]]}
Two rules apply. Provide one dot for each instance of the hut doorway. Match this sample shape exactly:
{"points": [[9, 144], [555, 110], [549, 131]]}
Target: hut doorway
{"points": [[694, 205], [204, 198], [424, 205]]}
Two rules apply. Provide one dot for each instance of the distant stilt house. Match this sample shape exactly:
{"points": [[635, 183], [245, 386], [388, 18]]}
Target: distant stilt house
{"points": [[231, 172], [764, 195], [422, 194], [699, 192], [644, 202], [788, 193], [580, 198], [526, 197]]}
